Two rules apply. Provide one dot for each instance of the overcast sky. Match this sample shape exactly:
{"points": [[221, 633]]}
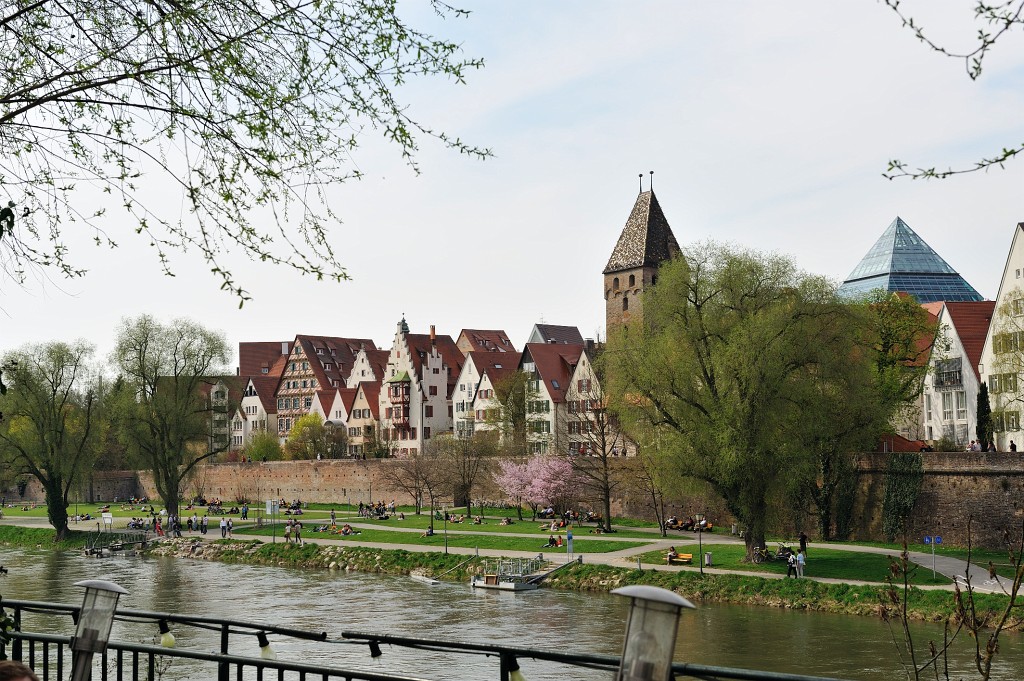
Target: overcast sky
{"points": [[768, 124]]}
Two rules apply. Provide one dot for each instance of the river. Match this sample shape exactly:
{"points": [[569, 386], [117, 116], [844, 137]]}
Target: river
{"points": [[735, 636]]}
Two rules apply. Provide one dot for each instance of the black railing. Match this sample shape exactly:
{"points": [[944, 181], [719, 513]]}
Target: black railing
{"points": [[50, 654]]}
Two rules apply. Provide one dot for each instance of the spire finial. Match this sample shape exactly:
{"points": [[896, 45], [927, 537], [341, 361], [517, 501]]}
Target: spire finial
{"points": [[652, 181], [641, 176]]}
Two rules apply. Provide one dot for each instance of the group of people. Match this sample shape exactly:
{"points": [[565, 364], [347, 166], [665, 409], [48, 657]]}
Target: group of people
{"points": [[380, 510], [689, 525], [979, 446], [553, 540], [293, 531], [796, 564]]}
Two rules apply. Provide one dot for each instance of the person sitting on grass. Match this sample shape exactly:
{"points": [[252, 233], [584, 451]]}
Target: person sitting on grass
{"points": [[558, 541], [551, 542], [505, 521], [671, 556], [428, 533]]}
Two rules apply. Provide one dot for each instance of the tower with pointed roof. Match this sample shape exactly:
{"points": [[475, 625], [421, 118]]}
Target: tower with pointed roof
{"points": [[645, 243], [901, 261]]}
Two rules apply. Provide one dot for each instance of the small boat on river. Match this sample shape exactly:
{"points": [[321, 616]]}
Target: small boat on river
{"points": [[516, 574]]}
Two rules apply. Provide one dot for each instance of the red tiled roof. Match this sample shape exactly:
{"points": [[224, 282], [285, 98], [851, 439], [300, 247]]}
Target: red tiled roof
{"points": [[971, 321], [419, 347], [265, 387], [340, 353], [254, 357], [348, 396], [484, 340], [378, 361], [495, 364], [555, 363], [326, 398], [891, 442]]}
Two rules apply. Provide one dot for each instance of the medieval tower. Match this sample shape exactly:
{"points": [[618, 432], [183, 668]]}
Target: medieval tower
{"points": [[645, 243]]}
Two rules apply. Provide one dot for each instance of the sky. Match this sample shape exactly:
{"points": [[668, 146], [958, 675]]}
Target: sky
{"points": [[767, 125]]}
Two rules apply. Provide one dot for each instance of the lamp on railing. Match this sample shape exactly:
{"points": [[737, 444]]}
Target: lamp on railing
{"points": [[94, 622], [266, 652], [650, 633], [166, 637]]}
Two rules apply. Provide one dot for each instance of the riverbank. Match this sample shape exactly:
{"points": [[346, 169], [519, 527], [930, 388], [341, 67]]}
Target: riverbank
{"points": [[804, 594]]}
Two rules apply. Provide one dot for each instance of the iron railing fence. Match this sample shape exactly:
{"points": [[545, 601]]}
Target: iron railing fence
{"points": [[50, 654]]}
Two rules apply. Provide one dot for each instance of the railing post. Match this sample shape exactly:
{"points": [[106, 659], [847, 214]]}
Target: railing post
{"points": [[505, 666], [223, 669], [16, 648]]}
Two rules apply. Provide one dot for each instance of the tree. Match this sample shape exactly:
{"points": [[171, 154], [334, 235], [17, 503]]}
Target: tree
{"points": [[311, 439], [172, 421], [418, 475], [595, 442], [249, 111], [731, 346], [512, 478], [984, 428], [462, 460], [52, 428], [999, 19], [513, 418], [263, 446]]}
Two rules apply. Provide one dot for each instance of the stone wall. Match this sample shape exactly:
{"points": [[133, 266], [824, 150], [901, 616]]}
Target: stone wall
{"points": [[987, 487]]}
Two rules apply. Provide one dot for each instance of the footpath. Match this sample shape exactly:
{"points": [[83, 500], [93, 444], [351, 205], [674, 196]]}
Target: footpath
{"points": [[953, 568]]}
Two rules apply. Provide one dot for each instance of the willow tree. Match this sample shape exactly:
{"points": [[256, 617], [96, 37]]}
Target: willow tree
{"points": [[237, 115], [171, 418], [722, 367], [50, 426]]}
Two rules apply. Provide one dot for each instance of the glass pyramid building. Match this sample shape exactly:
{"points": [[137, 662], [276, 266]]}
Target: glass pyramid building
{"points": [[901, 261]]}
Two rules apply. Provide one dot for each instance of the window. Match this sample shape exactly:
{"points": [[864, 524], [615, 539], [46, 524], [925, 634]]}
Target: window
{"points": [[615, 284], [947, 406], [280, 403], [583, 385], [928, 408], [433, 390], [999, 383], [428, 410], [305, 384], [961, 405], [436, 370], [948, 373], [1018, 306], [305, 366], [295, 364], [632, 280], [426, 432], [412, 433], [295, 403], [265, 370], [1012, 420], [309, 402]]}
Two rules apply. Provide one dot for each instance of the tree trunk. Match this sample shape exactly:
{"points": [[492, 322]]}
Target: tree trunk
{"points": [[56, 507], [607, 503]]}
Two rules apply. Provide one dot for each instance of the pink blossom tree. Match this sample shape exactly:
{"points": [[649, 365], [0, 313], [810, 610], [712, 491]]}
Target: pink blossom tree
{"points": [[513, 479]]}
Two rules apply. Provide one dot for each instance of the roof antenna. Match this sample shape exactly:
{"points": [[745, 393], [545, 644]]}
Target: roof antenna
{"points": [[652, 181], [641, 183]]}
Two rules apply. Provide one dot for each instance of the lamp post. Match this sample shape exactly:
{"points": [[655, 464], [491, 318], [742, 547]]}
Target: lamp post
{"points": [[699, 517], [94, 622], [650, 633]]}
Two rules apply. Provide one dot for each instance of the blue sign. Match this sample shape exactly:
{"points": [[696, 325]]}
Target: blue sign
{"points": [[927, 540], [938, 540]]}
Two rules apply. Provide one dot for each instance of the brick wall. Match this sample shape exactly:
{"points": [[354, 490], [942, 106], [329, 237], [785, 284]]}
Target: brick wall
{"points": [[988, 488]]}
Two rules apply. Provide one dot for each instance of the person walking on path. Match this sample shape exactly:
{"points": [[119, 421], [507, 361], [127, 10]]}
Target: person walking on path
{"points": [[803, 542], [791, 569], [231, 526], [801, 562], [334, 519], [206, 523], [297, 531], [223, 528]]}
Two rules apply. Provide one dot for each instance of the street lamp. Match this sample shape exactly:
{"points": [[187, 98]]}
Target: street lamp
{"points": [[94, 622], [700, 540], [650, 633]]}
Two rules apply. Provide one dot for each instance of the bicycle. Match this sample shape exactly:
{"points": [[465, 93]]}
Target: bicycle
{"points": [[762, 554]]}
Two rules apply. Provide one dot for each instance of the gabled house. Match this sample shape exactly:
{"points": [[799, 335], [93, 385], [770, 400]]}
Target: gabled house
{"points": [[262, 358], [550, 367], [1002, 358], [474, 390], [369, 365], [415, 398], [257, 410], [333, 406], [589, 428], [364, 434], [314, 363], [952, 383]]}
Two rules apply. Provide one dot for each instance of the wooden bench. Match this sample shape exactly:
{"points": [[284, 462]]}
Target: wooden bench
{"points": [[680, 558]]}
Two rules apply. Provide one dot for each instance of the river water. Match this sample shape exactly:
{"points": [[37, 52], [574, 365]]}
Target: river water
{"points": [[735, 636]]}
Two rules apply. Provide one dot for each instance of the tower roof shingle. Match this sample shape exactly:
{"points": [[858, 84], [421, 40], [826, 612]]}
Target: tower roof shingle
{"points": [[646, 240]]}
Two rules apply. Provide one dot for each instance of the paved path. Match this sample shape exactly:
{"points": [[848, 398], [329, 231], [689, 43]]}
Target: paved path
{"points": [[953, 568]]}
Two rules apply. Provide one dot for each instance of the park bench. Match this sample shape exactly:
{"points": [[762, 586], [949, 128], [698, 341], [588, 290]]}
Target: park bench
{"points": [[680, 558]]}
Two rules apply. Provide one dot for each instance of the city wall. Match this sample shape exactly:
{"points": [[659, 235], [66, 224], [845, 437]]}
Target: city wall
{"points": [[988, 488]]}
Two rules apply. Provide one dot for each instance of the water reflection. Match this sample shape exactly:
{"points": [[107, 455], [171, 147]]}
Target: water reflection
{"points": [[766, 638]]}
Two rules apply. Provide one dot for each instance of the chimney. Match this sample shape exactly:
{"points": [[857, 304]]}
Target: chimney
{"points": [[284, 347], [433, 336]]}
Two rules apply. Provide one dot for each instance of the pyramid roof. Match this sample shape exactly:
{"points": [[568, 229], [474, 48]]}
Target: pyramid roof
{"points": [[646, 240], [902, 261]]}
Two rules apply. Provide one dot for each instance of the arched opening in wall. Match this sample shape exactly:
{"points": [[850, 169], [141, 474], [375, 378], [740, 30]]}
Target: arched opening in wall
{"points": [[615, 284], [632, 280], [625, 303]]}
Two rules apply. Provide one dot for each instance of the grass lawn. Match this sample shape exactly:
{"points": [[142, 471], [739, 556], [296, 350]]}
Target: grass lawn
{"points": [[821, 562], [496, 541], [979, 557], [491, 525]]}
